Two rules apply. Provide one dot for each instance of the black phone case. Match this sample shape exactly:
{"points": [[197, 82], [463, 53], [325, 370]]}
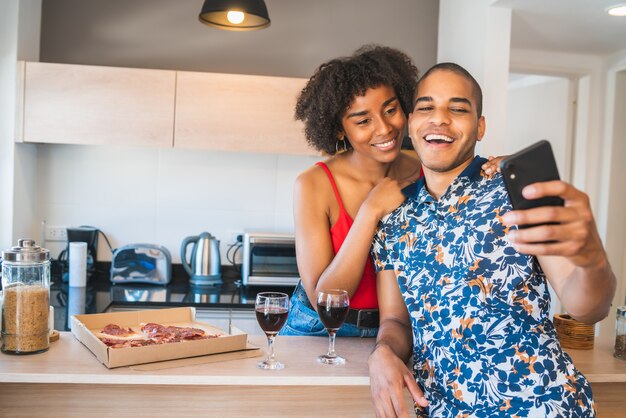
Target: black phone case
{"points": [[533, 164]]}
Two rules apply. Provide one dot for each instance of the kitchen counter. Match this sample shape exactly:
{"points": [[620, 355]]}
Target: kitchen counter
{"points": [[68, 361], [69, 381]]}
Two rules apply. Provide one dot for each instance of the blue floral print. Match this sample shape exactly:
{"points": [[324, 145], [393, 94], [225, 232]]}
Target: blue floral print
{"points": [[484, 345]]}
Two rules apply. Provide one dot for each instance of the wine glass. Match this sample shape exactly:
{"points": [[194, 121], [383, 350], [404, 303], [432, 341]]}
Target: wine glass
{"points": [[271, 313], [332, 307]]}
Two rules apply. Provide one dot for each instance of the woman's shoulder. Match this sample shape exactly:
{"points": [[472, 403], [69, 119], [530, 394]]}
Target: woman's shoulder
{"points": [[313, 189], [313, 177]]}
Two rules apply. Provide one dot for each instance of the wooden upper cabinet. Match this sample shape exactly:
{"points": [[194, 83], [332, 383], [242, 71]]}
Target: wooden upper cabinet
{"points": [[79, 104], [235, 112]]}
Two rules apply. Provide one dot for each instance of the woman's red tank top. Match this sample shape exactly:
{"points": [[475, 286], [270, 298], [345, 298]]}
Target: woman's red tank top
{"points": [[365, 295]]}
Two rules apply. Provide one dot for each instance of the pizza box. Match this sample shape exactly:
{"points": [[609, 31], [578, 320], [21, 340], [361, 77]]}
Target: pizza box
{"points": [[85, 327]]}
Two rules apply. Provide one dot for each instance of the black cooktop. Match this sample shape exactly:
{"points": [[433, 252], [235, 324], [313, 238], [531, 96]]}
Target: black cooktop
{"points": [[100, 295]]}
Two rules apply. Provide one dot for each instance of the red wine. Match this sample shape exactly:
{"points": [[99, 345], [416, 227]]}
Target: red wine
{"points": [[332, 316], [271, 320]]}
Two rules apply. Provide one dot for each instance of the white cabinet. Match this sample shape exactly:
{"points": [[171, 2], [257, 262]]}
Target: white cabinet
{"points": [[244, 319], [80, 104], [236, 112]]}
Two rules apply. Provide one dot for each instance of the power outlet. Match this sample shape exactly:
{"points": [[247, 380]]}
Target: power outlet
{"points": [[56, 233], [233, 236]]}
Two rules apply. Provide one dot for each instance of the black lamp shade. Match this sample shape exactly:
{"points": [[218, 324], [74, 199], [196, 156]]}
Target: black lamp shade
{"points": [[214, 13]]}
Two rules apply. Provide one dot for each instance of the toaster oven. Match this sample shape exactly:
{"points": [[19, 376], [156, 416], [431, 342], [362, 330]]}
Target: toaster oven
{"points": [[269, 259]]}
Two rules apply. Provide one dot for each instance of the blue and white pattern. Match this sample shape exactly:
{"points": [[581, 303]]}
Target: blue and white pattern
{"points": [[484, 345]]}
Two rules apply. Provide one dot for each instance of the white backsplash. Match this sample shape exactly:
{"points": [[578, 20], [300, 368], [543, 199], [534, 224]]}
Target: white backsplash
{"points": [[160, 196]]}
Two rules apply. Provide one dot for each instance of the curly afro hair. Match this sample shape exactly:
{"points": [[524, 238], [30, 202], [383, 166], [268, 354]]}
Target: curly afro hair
{"points": [[334, 85]]}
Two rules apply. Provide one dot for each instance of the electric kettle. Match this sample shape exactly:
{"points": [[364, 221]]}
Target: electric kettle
{"points": [[204, 267]]}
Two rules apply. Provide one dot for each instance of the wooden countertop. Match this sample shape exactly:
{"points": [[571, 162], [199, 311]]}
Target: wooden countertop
{"points": [[68, 361], [599, 365], [294, 391]]}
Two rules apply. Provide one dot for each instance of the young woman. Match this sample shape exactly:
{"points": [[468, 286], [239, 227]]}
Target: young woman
{"points": [[354, 109]]}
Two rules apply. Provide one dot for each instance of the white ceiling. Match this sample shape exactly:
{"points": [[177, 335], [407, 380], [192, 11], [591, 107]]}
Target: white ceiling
{"points": [[573, 26]]}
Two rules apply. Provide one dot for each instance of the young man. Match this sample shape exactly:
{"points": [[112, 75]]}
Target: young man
{"points": [[464, 291]]}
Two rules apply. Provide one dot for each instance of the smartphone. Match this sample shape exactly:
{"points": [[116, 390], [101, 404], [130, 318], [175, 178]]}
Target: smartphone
{"points": [[531, 165]]}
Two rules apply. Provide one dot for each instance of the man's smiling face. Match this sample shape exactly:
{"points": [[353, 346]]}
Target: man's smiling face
{"points": [[444, 125]]}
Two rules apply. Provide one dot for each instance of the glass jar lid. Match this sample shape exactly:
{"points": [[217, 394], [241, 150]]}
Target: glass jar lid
{"points": [[26, 251], [621, 311]]}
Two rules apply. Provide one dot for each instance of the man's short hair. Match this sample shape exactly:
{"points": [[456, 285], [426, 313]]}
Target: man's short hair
{"points": [[457, 69]]}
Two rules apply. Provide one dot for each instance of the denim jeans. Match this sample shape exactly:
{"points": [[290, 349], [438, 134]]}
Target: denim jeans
{"points": [[304, 321]]}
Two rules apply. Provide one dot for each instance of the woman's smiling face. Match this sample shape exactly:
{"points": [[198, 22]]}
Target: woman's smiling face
{"points": [[374, 124]]}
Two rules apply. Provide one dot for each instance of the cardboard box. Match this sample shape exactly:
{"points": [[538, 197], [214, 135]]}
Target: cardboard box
{"points": [[84, 328]]}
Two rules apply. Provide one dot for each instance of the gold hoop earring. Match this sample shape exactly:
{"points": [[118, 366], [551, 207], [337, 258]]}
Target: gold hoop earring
{"points": [[344, 146]]}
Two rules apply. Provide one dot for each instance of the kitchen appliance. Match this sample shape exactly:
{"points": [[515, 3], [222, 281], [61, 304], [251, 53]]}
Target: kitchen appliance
{"points": [[204, 266], [88, 234], [141, 263], [269, 259]]}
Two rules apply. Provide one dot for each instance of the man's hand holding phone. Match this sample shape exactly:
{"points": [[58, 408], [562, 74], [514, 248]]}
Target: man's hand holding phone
{"points": [[555, 223], [569, 231], [553, 217]]}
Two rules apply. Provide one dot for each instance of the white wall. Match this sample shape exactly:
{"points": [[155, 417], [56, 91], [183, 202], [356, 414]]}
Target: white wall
{"points": [[24, 197], [160, 196], [537, 108], [19, 39], [613, 203], [8, 54], [581, 128], [477, 36], [598, 167], [588, 147]]}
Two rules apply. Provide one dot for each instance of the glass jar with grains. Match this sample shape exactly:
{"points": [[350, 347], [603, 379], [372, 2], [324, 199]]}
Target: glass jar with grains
{"points": [[620, 333], [25, 308]]}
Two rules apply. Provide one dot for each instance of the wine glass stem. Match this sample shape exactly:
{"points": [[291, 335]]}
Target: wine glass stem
{"points": [[331, 344], [270, 349]]}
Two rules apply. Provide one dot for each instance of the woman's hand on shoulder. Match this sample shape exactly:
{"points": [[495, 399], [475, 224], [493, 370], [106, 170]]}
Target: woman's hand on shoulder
{"points": [[491, 167], [385, 197]]}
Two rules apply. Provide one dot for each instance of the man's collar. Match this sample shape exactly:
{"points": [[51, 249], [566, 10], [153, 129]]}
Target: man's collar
{"points": [[474, 169], [472, 172]]}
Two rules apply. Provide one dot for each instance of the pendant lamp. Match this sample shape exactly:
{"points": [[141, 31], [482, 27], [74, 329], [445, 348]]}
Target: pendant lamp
{"points": [[238, 15]]}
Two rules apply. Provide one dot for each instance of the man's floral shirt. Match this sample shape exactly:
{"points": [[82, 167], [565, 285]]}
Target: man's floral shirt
{"points": [[484, 345]]}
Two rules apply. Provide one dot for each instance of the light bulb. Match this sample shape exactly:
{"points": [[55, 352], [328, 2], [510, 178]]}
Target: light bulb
{"points": [[235, 17], [619, 10]]}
